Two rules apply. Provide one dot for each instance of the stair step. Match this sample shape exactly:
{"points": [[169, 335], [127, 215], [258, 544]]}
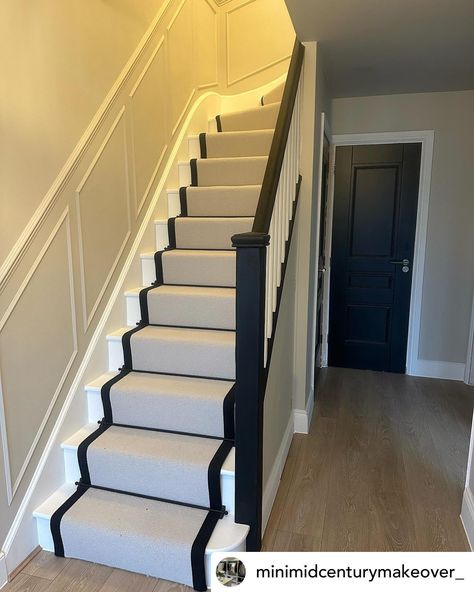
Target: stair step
{"points": [[136, 397], [239, 200], [199, 268], [257, 118], [208, 232], [133, 533], [192, 306], [245, 170], [147, 261], [231, 144], [184, 173], [94, 402], [158, 464], [275, 95], [115, 348], [196, 352]]}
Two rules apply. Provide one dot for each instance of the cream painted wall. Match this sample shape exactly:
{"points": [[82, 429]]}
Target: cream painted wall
{"points": [[449, 272], [59, 60], [92, 158], [306, 236]]}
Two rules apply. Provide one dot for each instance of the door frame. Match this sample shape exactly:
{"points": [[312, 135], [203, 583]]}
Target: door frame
{"points": [[325, 131], [426, 139]]}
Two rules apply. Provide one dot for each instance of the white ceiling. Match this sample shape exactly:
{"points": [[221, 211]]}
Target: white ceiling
{"points": [[390, 46]]}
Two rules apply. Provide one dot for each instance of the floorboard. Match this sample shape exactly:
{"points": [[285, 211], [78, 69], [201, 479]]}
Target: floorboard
{"points": [[382, 469]]}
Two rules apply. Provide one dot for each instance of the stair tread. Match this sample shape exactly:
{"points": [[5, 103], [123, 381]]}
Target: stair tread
{"points": [[178, 398], [227, 533], [194, 290], [132, 533], [158, 464], [73, 441]]}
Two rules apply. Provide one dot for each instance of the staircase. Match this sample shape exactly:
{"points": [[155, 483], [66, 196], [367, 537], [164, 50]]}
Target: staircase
{"points": [[151, 489]]}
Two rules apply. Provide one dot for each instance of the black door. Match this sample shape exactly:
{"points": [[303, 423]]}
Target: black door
{"points": [[375, 206], [322, 258]]}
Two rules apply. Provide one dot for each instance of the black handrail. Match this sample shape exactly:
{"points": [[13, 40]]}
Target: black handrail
{"points": [[271, 178]]}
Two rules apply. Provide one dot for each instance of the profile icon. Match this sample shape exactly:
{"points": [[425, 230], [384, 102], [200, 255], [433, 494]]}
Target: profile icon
{"points": [[230, 572]]}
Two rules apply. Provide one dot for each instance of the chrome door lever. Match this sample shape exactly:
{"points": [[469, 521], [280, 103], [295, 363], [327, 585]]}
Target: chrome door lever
{"points": [[404, 262]]}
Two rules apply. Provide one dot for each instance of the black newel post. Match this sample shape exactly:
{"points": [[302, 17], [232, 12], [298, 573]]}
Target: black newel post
{"points": [[249, 394]]}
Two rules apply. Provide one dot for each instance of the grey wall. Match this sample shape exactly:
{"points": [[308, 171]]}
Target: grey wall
{"points": [[449, 268]]}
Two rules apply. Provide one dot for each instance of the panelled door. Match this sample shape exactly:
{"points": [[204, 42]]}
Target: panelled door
{"points": [[374, 224]]}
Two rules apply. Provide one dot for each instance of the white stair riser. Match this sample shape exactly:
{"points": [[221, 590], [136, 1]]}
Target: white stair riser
{"points": [[115, 353], [212, 126], [73, 474], [174, 203], [194, 147], [161, 234], [132, 302], [45, 541], [148, 269], [95, 409], [184, 171]]}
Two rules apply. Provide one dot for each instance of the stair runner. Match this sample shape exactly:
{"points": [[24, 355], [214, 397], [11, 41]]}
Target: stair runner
{"points": [[149, 495]]}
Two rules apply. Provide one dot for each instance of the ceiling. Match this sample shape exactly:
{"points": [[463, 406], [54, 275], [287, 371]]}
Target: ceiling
{"points": [[374, 47]]}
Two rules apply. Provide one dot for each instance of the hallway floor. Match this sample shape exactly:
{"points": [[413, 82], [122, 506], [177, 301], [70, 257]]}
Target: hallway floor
{"points": [[382, 469]]}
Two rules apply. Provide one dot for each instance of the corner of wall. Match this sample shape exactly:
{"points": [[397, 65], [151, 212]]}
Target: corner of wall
{"points": [[467, 516], [3, 570]]}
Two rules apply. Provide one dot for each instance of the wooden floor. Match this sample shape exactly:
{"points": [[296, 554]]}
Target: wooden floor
{"points": [[382, 470]]}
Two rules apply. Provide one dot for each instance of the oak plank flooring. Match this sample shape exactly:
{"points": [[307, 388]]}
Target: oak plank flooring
{"points": [[382, 469]]}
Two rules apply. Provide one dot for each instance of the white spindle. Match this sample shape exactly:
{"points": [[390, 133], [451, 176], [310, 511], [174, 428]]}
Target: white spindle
{"points": [[281, 218]]}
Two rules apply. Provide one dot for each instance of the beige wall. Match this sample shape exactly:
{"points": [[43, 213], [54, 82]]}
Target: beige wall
{"points": [[306, 235], [59, 60], [449, 271], [63, 60]]}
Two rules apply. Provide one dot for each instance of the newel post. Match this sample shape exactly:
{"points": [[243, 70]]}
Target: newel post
{"points": [[249, 393]]}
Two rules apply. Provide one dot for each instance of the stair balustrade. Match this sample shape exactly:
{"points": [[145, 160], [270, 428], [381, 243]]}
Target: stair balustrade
{"points": [[261, 263]]}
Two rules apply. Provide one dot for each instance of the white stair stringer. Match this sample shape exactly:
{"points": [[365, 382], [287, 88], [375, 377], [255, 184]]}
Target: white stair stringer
{"points": [[227, 536]]}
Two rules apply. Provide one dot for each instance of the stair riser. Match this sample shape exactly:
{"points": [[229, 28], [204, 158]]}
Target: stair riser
{"points": [[184, 174], [194, 148], [209, 234], [115, 351], [180, 357], [73, 474], [204, 313], [174, 204], [211, 173], [148, 269]]}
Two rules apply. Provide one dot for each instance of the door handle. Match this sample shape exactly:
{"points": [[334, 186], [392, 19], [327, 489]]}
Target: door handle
{"points": [[404, 262]]}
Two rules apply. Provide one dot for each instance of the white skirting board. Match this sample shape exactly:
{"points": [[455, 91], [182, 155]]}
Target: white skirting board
{"points": [[302, 417], [434, 369], [467, 516], [271, 488], [3, 570]]}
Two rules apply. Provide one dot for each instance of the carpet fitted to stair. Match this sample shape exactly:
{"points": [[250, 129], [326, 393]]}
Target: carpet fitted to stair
{"points": [[149, 496]]}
